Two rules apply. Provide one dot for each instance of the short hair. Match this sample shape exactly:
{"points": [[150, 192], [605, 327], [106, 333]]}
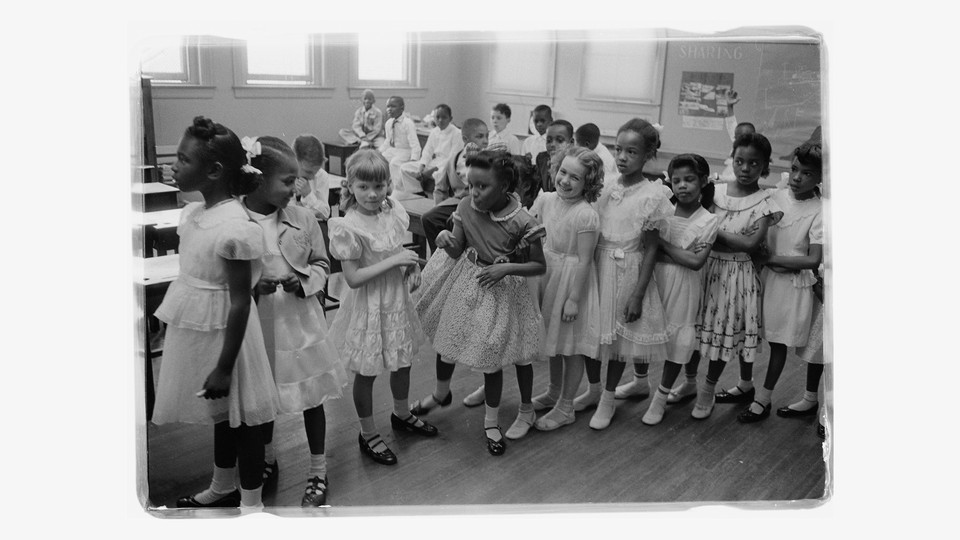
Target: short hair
{"points": [[446, 108], [593, 179], [746, 125], [218, 144], [501, 164], [369, 92], [367, 165], [470, 125], [565, 124], [810, 154], [589, 134], [503, 109], [310, 150], [273, 153], [399, 99], [759, 143], [543, 108], [649, 134]]}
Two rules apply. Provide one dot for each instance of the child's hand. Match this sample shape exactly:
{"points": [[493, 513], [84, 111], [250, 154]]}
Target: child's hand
{"points": [[406, 258], [217, 384], [303, 187], [633, 309], [290, 283], [700, 247], [412, 277], [751, 228], [446, 239], [491, 275], [570, 311], [267, 286]]}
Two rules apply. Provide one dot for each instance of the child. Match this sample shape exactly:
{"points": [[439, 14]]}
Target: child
{"points": [[214, 368], [588, 136], [632, 326], [401, 143], [376, 327], [313, 183], [306, 367], [452, 184], [540, 117], [794, 250], [499, 119], [685, 240], [568, 293], [729, 322], [475, 304], [559, 138], [367, 128], [728, 175], [444, 142], [812, 354]]}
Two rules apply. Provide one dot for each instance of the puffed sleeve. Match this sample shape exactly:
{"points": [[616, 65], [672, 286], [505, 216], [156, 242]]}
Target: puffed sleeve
{"points": [[769, 207], [536, 209], [403, 218], [816, 229], [710, 228], [243, 241], [344, 244], [588, 220], [655, 209], [530, 228]]}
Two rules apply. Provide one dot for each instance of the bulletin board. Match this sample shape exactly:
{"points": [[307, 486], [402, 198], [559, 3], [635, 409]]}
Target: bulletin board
{"points": [[779, 86]]}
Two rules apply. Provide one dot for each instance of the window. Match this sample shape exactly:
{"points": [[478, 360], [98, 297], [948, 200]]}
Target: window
{"points": [[279, 66], [385, 60], [523, 63], [171, 61], [623, 67]]}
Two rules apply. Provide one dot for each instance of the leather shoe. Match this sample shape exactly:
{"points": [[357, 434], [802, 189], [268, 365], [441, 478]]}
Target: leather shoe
{"points": [[386, 457], [419, 410], [270, 473], [316, 493], [787, 412], [724, 396], [821, 431], [749, 417], [230, 500], [426, 429], [496, 448]]}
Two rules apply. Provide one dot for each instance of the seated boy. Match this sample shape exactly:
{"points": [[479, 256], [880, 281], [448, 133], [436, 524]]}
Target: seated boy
{"points": [[500, 118], [540, 118], [452, 183], [313, 183], [444, 141], [401, 143], [559, 138], [367, 127], [588, 136]]}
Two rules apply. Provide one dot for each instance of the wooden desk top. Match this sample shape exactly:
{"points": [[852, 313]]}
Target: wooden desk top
{"points": [[417, 207], [160, 219], [150, 188], [156, 270]]}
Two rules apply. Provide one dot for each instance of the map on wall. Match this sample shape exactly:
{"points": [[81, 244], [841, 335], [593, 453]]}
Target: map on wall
{"points": [[788, 96], [703, 99]]}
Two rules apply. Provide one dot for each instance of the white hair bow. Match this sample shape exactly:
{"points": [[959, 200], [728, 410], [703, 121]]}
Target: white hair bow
{"points": [[252, 147]]}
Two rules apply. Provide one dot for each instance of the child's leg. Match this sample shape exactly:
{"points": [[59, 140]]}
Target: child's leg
{"points": [[315, 422], [224, 485], [688, 388], [809, 402], [592, 396], [250, 462], [525, 416], [371, 443], [493, 385], [549, 398], [402, 417], [760, 408], [706, 395], [270, 465], [563, 413], [441, 395], [606, 407], [654, 413], [638, 388], [743, 392]]}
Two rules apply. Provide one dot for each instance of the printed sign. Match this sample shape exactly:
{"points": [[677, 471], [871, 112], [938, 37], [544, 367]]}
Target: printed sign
{"points": [[703, 99]]}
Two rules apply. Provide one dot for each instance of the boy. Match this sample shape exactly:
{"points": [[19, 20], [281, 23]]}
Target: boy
{"points": [[444, 141], [367, 128], [728, 175], [401, 143], [312, 184], [559, 138], [452, 182], [500, 118], [588, 136], [541, 117]]}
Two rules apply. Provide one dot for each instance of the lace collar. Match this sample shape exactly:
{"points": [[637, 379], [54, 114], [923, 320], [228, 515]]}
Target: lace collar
{"points": [[736, 204], [514, 212], [619, 191]]}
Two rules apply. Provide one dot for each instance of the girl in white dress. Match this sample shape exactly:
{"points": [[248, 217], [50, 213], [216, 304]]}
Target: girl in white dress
{"points": [[214, 368]]}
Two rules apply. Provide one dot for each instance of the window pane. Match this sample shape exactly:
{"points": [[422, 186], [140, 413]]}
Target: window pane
{"points": [[163, 55], [523, 62], [285, 56], [381, 56], [620, 66]]}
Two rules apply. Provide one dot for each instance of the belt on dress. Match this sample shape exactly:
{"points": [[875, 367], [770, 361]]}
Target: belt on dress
{"points": [[737, 256], [198, 283]]}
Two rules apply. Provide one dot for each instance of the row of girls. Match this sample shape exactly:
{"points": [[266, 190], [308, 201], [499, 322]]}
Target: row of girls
{"points": [[617, 283]]}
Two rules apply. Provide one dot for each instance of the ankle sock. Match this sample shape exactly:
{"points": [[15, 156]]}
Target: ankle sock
{"points": [[808, 402], [224, 482], [442, 390], [745, 385], [318, 466], [251, 498], [657, 407], [588, 398], [705, 394], [763, 395], [490, 420], [368, 427], [269, 453]]}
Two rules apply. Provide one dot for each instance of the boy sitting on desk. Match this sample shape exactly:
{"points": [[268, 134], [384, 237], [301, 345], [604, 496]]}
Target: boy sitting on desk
{"points": [[500, 118], [452, 183], [540, 118], [401, 144], [367, 127], [444, 142]]}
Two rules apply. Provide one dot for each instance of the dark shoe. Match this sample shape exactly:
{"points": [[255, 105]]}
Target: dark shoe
{"points": [[270, 473], [316, 493], [386, 457], [426, 429], [787, 412], [821, 431], [743, 397], [749, 417], [496, 448], [419, 410], [230, 500]]}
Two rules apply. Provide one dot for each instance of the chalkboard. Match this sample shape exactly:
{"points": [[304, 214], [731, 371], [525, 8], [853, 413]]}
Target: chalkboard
{"points": [[778, 84]]}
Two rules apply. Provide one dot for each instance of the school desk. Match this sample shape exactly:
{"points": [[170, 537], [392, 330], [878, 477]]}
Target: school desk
{"points": [[152, 277], [416, 207], [341, 151], [154, 196], [159, 230]]}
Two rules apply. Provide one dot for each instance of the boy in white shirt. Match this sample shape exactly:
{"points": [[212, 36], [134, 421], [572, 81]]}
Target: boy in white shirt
{"points": [[444, 141], [401, 143], [588, 136], [313, 183], [367, 127], [500, 118], [540, 118]]}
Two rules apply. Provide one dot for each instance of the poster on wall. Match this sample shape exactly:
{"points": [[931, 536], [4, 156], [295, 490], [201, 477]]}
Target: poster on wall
{"points": [[703, 99]]}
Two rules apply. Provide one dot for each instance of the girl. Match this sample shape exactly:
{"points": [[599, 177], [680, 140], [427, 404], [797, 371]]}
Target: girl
{"points": [[376, 327], [313, 183], [215, 368], [729, 321], [568, 293], [794, 250], [812, 354], [306, 367], [477, 307], [632, 326], [685, 240]]}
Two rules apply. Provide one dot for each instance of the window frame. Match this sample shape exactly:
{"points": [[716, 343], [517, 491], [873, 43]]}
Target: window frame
{"points": [[610, 103], [409, 87], [314, 86], [195, 81], [548, 91]]}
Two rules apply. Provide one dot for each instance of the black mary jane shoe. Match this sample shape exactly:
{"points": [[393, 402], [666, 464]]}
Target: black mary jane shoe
{"points": [[386, 457], [419, 410], [426, 429], [787, 412], [749, 417], [743, 397], [496, 448], [230, 500], [315, 495]]}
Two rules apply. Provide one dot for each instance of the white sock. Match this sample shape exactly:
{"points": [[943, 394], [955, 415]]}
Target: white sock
{"points": [[491, 419], [269, 453], [588, 398], [808, 402], [705, 395], [401, 408], [605, 409], [763, 396], [658, 404], [224, 481], [745, 385], [368, 427], [525, 408], [318, 466], [251, 500]]}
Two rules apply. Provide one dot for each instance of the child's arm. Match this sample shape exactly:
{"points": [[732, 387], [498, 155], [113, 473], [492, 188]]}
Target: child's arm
{"points": [[750, 241], [634, 307], [317, 260], [358, 122], [357, 276], [239, 273], [452, 242], [693, 259], [537, 265], [586, 245], [315, 197], [412, 140], [810, 261]]}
